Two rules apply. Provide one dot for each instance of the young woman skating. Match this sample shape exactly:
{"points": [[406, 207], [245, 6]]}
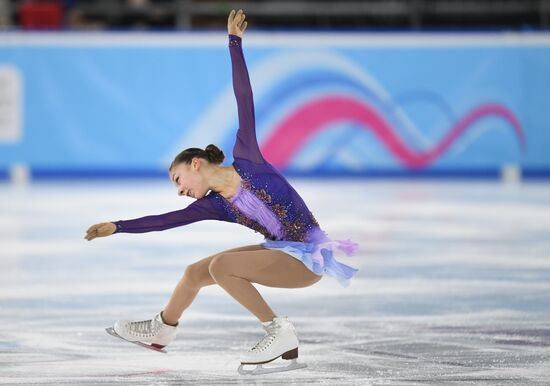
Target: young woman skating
{"points": [[295, 253]]}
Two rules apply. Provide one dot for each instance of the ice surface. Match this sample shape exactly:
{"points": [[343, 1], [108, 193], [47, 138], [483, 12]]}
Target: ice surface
{"points": [[453, 287]]}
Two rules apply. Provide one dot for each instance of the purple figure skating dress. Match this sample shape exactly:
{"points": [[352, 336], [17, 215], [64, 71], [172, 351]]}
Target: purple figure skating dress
{"points": [[265, 201]]}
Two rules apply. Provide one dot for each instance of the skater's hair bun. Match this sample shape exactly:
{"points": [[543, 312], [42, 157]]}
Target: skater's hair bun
{"points": [[212, 154], [215, 155]]}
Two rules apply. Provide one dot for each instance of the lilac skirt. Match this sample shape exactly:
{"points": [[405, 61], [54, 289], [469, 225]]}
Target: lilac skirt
{"points": [[319, 257]]}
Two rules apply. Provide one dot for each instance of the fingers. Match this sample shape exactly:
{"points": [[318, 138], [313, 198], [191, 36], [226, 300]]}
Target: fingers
{"points": [[95, 227], [97, 230], [90, 235], [237, 14], [231, 17], [236, 18], [240, 18]]}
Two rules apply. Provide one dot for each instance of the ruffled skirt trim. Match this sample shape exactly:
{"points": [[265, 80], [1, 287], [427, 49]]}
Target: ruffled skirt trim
{"points": [[319, 257]]}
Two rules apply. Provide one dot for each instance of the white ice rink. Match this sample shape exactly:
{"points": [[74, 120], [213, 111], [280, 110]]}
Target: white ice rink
{"points": [[453, 287]]}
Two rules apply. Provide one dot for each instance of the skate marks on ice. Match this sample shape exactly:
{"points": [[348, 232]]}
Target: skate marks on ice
{"points": [[439, 351], [269, 368], [453, 287]]}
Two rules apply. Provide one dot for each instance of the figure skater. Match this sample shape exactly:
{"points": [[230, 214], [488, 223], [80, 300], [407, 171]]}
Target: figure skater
{"points": [[295, 253]]}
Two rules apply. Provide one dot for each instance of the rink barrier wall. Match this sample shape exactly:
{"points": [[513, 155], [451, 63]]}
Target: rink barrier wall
{"points": [[39, 175], [428, 104]]}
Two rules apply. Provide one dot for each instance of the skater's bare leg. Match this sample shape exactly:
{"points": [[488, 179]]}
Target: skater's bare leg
{"points": [[195, 277], [236, 271]]}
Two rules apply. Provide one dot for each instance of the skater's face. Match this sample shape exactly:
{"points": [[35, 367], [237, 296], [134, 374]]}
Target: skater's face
{"points": [[189, 178]]}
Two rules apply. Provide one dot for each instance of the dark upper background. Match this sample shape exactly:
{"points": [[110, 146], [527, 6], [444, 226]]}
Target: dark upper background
{"points": [[276, 14]]}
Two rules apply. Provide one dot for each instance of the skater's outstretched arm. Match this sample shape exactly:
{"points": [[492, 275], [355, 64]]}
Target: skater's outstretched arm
{"points": [[199, 210], [246, 144]]}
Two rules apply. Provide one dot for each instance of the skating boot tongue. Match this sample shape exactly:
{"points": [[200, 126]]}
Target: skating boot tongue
{"points": [[272, 328], [275, 324]]}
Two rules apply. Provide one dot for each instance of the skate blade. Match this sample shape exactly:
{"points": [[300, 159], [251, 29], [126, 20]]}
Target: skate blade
{"points": [[111, 331], [260, 369]]}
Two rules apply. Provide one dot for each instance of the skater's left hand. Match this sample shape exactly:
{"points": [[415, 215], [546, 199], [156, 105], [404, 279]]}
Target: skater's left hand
{"points": [[100, 230], [235, 23]]}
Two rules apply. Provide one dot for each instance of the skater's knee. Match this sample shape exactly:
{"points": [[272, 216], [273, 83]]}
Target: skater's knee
{"points": [[196, 275], [218, 266]]}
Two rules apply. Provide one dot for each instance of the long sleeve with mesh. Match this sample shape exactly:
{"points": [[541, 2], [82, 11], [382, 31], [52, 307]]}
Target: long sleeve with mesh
{"points": [[246, 144], [199, 210]]}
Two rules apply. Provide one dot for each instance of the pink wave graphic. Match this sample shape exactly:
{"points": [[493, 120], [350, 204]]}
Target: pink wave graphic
{"points": [[299, 126]]}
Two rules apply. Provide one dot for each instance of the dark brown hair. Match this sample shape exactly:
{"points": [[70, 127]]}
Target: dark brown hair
{"points": [[211, 153]]}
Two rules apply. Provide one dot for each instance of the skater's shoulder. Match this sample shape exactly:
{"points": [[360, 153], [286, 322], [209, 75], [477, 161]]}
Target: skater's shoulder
{"points": [[245, 166]]}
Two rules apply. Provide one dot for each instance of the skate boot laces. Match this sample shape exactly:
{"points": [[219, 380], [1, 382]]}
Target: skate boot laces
{"points": [[144, 328], [265, 342], [273, 330]]}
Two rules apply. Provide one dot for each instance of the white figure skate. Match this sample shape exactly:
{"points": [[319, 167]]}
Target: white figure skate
{"points": [[152, 333], [280, 341]]}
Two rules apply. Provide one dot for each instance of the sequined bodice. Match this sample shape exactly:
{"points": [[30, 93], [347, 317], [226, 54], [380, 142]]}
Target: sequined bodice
{"points": [[268, 204], [253, 208]]}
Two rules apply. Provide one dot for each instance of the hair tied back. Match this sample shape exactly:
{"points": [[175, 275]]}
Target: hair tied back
{"points": [[214, 154]]}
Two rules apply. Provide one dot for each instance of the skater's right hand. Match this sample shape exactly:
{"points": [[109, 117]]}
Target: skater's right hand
{"points": [[100, 230], [235, 23]]}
